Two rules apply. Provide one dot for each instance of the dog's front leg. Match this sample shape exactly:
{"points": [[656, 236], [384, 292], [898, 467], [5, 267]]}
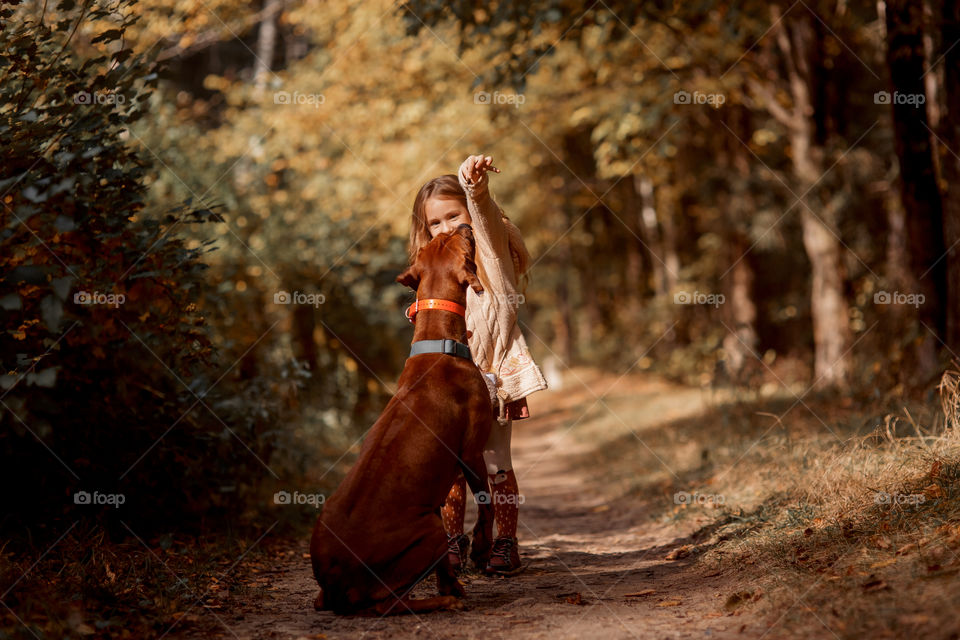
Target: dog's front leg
{"points": [[475, 471], [447, 583]]}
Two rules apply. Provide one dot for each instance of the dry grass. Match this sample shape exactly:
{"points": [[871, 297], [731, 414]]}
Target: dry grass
{"points": [[844, 513]]}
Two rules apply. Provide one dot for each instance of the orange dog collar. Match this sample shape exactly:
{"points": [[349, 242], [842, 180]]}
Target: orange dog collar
{"points": [[434, 303]]}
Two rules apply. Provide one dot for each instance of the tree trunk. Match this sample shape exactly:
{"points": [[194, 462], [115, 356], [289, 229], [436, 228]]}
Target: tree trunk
{"points": [[740, 346], [828, 307], [950, 133], [919, 191], [897, 270], [588, 317], [633, 270], [563, 330], [930, 79], [304, 327], [266, 42], [668, 243], [830, 313], [643, 188], [562, 321]]}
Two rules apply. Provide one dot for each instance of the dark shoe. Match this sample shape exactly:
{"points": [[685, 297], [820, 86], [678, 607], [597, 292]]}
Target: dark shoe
{"points": [[504, 558], [457, 551]]}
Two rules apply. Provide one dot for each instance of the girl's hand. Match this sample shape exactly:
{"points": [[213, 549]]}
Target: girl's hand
{"points": [[474, 168]]}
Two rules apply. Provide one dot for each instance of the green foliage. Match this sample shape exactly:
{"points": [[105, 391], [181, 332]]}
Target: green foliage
{"points": [[103, 346]]}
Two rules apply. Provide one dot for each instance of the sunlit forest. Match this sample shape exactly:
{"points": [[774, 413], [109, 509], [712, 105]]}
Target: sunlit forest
{"points": [[743, 222]]}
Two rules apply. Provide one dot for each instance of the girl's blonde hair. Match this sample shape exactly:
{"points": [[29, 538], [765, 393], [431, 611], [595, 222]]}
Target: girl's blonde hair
{"points": [[447, 186]]}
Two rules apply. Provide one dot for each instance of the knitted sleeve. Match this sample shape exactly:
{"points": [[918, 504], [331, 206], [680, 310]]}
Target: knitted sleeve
{"points": [[485, 218]]}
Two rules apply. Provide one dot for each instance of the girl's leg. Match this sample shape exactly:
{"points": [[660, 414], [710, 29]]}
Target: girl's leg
{"points": [[506, 499], [453, 509], [452, 513]]}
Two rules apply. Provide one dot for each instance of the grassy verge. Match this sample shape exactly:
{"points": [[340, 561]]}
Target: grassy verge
{"points": [[843, 514]]}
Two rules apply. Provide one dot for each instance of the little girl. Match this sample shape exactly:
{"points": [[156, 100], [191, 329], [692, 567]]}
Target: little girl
{"points": [[495, 341]]}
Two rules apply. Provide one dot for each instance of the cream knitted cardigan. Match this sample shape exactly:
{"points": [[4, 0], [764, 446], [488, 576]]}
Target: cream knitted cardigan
{"points": [[496, 342]]}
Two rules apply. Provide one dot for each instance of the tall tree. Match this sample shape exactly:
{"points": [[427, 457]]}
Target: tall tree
{"points": [[797, 41], [919, 191], [950, 133]]}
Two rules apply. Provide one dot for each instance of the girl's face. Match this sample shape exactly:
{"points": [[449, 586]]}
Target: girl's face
{"points": [[445, 214]]}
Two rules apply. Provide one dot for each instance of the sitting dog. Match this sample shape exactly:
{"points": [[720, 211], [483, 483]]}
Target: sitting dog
{"points": [[380, 533]]}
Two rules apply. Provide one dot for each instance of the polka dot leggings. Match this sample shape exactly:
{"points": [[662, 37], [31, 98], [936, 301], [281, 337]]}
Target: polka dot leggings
{"points": [[505, 504], [502, 482], [453, 509]]}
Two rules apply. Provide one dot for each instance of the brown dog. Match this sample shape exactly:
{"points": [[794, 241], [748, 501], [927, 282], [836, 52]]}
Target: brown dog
{"points": [[380, 533]]}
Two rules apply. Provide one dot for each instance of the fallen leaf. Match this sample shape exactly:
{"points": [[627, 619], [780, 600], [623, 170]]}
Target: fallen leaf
{"points": [[883, 563], [681, 552], [669, 603], [640, 594]]}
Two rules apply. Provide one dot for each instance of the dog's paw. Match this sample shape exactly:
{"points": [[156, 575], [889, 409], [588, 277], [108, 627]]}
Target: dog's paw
{"points": [[318, 601]]}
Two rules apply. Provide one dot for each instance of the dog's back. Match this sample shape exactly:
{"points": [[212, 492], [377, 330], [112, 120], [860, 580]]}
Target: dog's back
{"points": [[365, 543]]}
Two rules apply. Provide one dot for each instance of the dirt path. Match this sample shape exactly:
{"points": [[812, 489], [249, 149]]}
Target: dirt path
{"points": [[598, 564]]}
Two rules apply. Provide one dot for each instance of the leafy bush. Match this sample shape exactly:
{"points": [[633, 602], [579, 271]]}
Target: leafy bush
{"points": [[106, 357]]}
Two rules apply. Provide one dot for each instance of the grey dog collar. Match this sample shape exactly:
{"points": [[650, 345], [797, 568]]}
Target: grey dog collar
{"points": [[450, 347]]}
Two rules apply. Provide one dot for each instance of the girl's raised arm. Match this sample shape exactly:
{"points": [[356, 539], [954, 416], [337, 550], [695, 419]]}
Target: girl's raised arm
{"points": [[485, 216]]}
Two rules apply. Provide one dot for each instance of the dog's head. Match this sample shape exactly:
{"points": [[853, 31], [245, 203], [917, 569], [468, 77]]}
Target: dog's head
{"points": [[445, 267]]}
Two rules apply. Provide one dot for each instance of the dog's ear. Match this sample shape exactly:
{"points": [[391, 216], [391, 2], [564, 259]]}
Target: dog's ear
{"points": [[410, 277], [468, 272], [468, 276]]}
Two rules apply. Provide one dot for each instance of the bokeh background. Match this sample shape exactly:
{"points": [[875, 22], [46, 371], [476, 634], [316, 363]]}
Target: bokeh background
{"points": [[205, 204]]}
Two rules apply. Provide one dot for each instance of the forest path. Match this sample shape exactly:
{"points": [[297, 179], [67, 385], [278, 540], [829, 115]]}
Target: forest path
{"points": [[598, 563]]}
